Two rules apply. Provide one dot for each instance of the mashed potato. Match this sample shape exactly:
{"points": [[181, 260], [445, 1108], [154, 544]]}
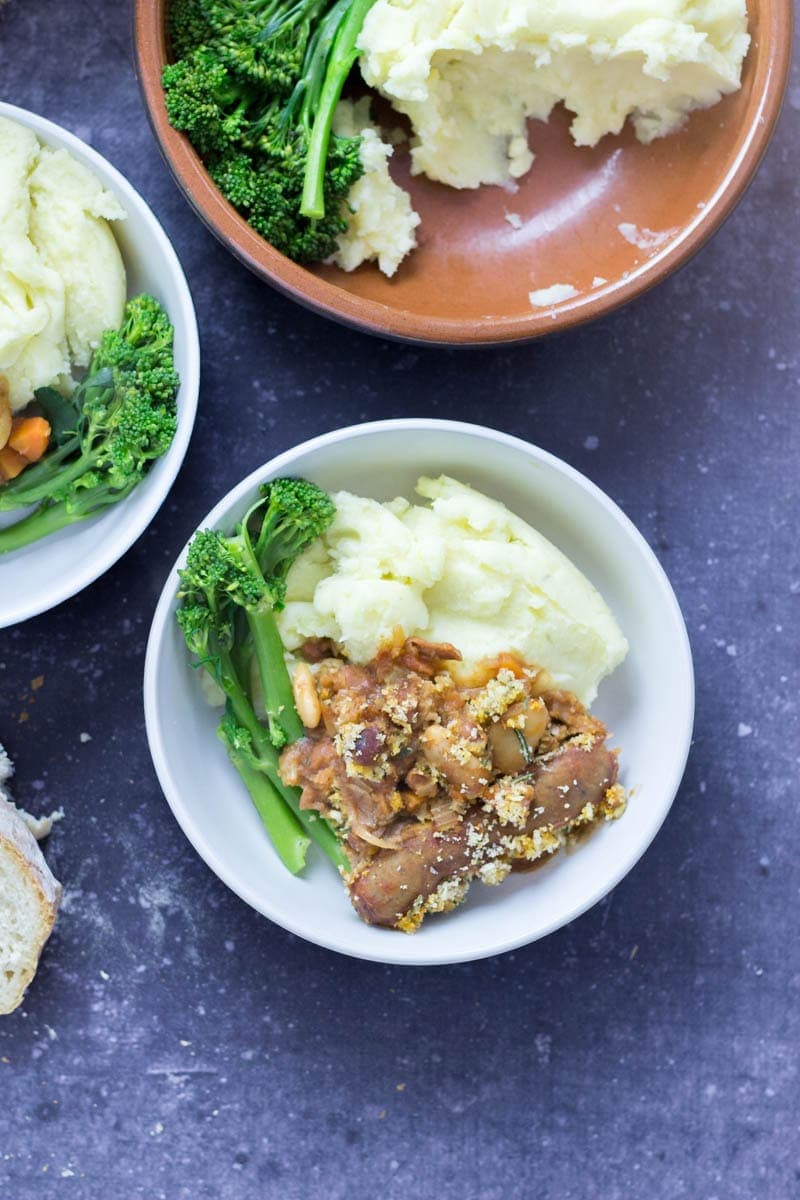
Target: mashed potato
{"points": [[381, 221], [469, 73], [62, 279], [465, 570]]}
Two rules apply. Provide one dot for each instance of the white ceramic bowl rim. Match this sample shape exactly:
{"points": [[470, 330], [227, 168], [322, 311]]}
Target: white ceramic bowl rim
{"points": [[108, 549], [680, 735]]}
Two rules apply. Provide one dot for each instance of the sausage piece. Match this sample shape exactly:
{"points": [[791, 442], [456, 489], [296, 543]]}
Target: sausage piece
{"points": [[389, 884], [458, 760], [568, 781]]}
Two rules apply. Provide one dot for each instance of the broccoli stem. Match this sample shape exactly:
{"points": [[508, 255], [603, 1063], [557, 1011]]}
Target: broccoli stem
{"points": [[315, 826], [47, 519], [275, 682], [282, 18], [48, 476], [35, 482], [342, 57], [284, 723], [43, 489], [280, 823], [242, 708]]}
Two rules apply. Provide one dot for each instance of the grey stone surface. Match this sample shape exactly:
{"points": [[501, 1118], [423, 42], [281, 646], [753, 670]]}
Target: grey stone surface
{"points": [[177, 1045]]}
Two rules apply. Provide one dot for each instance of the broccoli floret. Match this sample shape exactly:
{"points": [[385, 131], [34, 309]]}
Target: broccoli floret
{"points": [[238, 180], [270, 202], [292, 514], [277, 214], [212, 585], [126, 418], [188, 27], [256, 97], [335, 54], [269, 197], [204, 102], [218, 569], [138, 358], [145, 329], [207, 615], [223, 571]]}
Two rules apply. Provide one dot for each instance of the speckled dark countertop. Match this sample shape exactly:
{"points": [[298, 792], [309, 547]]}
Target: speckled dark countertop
{"points": [[175, 1044]]}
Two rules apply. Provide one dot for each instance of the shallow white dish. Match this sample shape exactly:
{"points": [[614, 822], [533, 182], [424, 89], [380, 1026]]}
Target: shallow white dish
{"points": [[40, 576], [648, 703]]}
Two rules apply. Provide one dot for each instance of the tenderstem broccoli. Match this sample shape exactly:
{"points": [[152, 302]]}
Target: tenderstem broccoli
{"points": [[254, 85], [244, 575], [284, 830], [124, 417], [342, 33]]}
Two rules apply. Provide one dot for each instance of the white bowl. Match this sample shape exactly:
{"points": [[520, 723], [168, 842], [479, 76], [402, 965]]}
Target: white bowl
{"points": [[40, 576], [648, 703]]}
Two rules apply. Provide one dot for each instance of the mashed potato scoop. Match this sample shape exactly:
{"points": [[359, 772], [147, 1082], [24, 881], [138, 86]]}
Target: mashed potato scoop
{"points": [[62, 278], [463, 570]]}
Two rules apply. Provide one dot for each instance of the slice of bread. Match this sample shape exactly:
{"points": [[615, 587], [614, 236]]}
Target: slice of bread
{"points": [[29, 899]]}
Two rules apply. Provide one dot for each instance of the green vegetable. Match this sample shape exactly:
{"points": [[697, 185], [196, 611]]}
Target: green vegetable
{"points": [[292, 514], [229, 565], [342, 31], [524, 747], [244, 576], [124, 417], [254, 86], [281, 825], [188, 27], [60, 412]]}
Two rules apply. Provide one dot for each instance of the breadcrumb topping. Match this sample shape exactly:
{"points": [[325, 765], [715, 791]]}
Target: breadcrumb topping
{"points": [[511, 800], [497, 695], [492, 873]]}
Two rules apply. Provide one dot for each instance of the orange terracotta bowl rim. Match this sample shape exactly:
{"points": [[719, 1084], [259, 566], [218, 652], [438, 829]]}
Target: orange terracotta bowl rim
{"points": [[371, 316]]}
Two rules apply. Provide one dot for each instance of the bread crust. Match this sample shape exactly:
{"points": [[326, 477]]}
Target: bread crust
{"points": [[19, 844]]}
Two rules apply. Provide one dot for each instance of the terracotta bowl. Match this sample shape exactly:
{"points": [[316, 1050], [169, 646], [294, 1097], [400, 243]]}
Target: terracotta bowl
{"points": [[610, 222]]}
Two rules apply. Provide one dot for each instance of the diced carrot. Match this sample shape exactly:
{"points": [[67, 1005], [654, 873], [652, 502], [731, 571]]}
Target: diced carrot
{"points": [[11, 463], [30, 437]]}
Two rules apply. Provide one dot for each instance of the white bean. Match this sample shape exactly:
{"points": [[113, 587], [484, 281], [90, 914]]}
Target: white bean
{"points": [[306, 700]]}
